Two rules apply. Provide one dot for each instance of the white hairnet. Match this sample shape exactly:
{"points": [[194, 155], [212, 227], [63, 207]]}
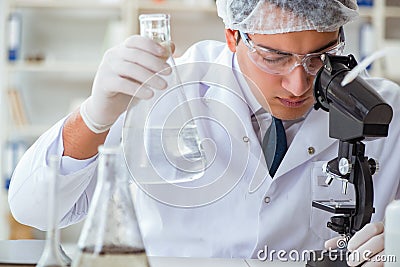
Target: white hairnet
{"points": [[281, 16]]}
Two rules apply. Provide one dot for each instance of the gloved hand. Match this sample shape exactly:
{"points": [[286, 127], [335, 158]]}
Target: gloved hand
{"points": [[367, 245], [123, 70]]}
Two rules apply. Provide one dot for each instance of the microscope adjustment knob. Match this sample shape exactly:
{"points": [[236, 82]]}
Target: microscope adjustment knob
{"points": [[339, 224], [344, 166], [373, 166], [345, 185], [328, 180], [329, 177]]}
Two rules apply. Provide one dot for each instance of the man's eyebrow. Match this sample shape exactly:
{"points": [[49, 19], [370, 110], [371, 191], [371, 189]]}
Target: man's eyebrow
{"points": [[331, 43]]}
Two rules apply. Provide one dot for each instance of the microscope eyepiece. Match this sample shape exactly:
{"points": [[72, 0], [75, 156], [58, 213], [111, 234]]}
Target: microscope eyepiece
{"points": [[356, 110]]}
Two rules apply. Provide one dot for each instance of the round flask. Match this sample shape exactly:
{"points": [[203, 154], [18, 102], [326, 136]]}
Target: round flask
{"points": [[162, 145]]}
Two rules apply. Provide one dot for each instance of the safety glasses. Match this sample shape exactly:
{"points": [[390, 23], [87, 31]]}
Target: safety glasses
{"points": [[282, 63]]}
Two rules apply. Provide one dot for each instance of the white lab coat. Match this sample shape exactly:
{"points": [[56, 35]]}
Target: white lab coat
{"points": [[256, 212]]}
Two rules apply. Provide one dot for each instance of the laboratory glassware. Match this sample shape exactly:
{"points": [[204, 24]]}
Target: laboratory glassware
{"points": [[52, 255], [161, 145], [111, 235]]}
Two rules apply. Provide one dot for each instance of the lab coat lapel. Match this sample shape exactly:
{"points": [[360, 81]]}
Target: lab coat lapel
{"points": [[227, 92], [240, 132], [229, 108], [230, 94], [298, 152]]}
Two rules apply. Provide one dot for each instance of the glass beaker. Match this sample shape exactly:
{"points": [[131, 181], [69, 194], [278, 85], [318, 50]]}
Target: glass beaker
{"points": [[153, 137], [111, 235]]}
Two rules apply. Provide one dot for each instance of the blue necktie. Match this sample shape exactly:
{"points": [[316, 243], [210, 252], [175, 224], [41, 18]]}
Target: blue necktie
{"points": [[274, 145]]}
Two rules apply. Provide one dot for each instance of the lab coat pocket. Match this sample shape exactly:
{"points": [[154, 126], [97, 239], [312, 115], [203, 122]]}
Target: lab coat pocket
{"points": [[321, 191]]}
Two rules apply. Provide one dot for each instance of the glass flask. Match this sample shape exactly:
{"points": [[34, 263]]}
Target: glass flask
{"points": [[111, 235], [53, 255], [162, 146]]}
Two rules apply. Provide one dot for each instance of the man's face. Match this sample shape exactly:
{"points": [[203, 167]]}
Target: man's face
{"points": [[287, 96]]}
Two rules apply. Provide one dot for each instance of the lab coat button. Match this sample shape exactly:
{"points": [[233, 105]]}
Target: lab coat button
{"points": [[311, 150], [267, 200], [246, 139]]}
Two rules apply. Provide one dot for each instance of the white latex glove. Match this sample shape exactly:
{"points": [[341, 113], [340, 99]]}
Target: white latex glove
{"points": [[123, 70], [367, 245]]}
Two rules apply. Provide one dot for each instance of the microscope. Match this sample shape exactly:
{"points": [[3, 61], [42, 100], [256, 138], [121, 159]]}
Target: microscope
{"points": [[356, 112]]}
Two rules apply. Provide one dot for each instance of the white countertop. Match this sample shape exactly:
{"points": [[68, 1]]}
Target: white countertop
{"points": [[214, 262], [28, 252]]}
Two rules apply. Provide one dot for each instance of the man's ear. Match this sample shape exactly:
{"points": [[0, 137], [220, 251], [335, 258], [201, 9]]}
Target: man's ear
{"points": [[231, 36]]}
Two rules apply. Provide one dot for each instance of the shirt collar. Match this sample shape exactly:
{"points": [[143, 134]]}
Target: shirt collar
{"points": [[251, 101]]}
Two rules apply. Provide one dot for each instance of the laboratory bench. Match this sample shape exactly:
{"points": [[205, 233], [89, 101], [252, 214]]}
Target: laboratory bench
{"points": [[22, 253]]}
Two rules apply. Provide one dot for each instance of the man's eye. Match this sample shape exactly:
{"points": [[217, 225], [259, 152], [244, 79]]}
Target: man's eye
{"points": [[276, 60]]}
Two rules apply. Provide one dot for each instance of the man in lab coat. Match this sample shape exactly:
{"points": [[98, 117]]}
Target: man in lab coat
{"points": [[271, 52]]}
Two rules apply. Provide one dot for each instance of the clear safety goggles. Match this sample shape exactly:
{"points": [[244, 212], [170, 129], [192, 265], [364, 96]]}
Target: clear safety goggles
{"points": [[282, 63]]}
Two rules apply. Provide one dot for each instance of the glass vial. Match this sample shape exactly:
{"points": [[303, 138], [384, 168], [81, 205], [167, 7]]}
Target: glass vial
{"points": [[52, 255], [111, 234]]}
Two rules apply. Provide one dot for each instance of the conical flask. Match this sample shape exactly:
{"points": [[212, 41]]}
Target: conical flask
{"points": [[53, 255], [111, 234]]}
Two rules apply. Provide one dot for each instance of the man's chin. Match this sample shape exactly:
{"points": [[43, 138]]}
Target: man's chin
{"points": [[292, 114]]}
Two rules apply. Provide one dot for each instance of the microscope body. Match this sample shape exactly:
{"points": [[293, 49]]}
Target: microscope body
{"points": [[356, 111]]}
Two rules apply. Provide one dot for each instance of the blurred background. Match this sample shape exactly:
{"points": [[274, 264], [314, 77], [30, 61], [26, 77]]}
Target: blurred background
{"points": [[50, 50]]}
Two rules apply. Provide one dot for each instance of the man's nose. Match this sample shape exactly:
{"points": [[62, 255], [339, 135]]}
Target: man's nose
{"points": [[297, 82]]}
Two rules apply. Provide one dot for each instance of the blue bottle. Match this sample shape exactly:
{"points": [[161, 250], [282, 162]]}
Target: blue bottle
{"points": [[14, 36], [365, 2]]}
